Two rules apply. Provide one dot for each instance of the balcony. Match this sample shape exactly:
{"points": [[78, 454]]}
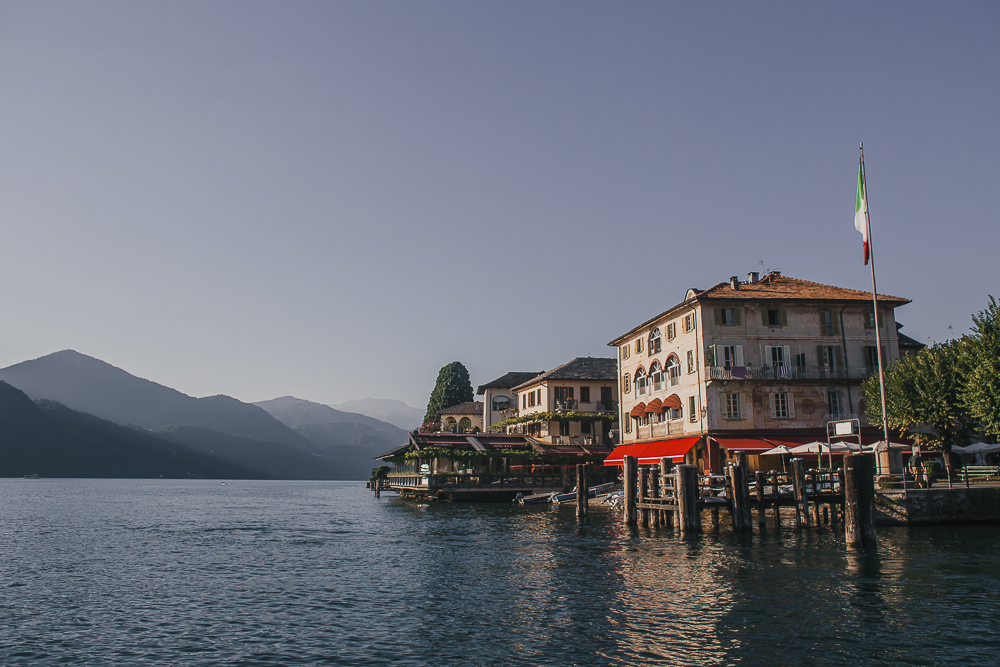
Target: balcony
{"points": [[566, 405], [787, 373], [662, 429], [581, 440]]}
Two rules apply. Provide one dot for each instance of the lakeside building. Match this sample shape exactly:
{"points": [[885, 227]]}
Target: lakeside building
{"points": [[462, 418], [486, 466], [573, 404], [499, 401], [743, 366]]}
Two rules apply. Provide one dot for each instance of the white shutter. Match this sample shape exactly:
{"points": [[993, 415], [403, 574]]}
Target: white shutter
{"points": [[770, 401], [791, 406], [788, 355], [717, 355], [766, 361], [739, 355]]}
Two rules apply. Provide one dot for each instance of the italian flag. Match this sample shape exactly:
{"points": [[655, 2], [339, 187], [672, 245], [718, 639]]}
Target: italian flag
{"points": [[861, 209]]}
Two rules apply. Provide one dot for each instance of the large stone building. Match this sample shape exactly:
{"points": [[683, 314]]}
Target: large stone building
{"points": [[775, 357]]}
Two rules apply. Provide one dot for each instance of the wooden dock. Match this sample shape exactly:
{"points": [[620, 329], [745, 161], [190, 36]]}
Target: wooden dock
{"points": [[666, 495]]}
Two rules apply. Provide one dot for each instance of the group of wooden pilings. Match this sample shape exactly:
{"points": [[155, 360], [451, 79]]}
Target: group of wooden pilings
{"points": [[667, 494]]}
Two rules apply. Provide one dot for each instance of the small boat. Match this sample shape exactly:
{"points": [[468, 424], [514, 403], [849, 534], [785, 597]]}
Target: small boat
{"points": [[593, 492], [534, 499], [32, 476]]}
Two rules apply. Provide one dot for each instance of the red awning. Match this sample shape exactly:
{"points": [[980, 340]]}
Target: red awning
{"points": [[651, 452], [750, 445], [672, 401], [654, 407], [639, 410]]}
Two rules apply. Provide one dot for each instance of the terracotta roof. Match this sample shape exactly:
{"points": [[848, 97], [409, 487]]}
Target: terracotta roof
{"points": [[581, 368], [507, 381], [467, 408], [786, 288], [771, 287]]}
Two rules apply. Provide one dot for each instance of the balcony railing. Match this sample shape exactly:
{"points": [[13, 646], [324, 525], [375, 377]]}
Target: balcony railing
{"points": [[673, 427], [781, 373], [566, 405]]}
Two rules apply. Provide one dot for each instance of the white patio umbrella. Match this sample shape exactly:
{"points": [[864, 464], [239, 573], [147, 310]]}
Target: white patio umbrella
{"points": [[823, 448], [780, 450]]}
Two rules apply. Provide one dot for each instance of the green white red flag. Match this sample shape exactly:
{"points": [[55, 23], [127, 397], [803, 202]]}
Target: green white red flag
{"points": [[861, 209]]}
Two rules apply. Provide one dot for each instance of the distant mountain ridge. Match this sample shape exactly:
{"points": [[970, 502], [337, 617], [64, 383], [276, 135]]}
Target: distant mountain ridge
{"points": [[388, 410], [93, 386]]}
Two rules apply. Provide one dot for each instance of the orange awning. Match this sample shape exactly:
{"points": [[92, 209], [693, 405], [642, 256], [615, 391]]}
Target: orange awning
{"points": [[639, 410], [672, 401], [651, 452], [654, 407]]}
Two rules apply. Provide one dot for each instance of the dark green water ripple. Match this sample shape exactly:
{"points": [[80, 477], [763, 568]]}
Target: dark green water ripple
{"points": [[114, 572]]}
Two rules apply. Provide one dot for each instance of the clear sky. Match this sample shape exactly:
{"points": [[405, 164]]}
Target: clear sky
{"points": [[334, 199]]}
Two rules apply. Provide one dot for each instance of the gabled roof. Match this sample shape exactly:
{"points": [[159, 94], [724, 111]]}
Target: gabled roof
{"points": [[772, 287], [581, 368], [459, 441], [467, 408], [507, 381]]}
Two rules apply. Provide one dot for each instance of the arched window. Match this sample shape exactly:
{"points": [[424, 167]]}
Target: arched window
{"points": [[465, 425], [656, 376], [500, 403], [640, 381], [654, 342], [674, 370], [450, 425]]}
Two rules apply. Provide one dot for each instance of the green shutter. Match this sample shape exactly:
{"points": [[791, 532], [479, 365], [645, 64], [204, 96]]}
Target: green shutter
{"points": [[819, 356], [836, 323], [840, 357], [736, 314], [763, 316], [784, 317]]}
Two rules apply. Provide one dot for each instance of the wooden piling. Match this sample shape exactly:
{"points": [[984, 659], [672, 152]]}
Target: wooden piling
{"points": [[801, 497], [743, 491], [643, 481], [761, 510], [686, 484], [859, 502], [655, 517], [777, 505], [630, 465], [666, 472], [581, 493]]}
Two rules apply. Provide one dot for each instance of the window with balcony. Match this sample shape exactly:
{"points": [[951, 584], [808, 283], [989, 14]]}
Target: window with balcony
{"points": [[640, 382], [500, 403], [656, 376], [654, 342], [564, 393]]}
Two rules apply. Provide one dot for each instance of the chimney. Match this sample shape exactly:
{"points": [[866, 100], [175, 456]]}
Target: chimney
{"points": [[734, 282], [775, 272], [753, 277]]}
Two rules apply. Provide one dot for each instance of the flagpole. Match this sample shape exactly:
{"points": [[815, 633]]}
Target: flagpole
{"points": [[878, 332]]}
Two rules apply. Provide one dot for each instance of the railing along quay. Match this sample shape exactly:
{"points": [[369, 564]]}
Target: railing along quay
{"points": [[667, 494]]}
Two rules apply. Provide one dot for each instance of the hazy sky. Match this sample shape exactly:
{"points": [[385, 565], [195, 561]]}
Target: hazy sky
{"points": [[335, 199]]}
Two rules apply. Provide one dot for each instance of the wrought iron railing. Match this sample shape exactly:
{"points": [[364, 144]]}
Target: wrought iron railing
{"points": [[781, 373]]}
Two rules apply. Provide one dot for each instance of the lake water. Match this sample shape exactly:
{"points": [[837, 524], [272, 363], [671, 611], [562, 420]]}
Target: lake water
{"points": [[107, 572]]}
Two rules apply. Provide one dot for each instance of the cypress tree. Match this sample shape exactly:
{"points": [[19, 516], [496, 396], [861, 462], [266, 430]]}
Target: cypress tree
{"points": [[453, 386]]}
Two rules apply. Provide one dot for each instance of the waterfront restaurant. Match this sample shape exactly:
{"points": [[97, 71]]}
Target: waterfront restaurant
{"points": [[453, 466]]}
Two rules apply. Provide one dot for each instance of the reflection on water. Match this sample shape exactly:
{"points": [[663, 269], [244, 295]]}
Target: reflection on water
{"points": [[255, 573]]}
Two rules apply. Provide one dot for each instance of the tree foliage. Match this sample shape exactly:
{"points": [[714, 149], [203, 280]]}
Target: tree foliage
{"points": [[981, 393], [453, 387], [924, 395]]}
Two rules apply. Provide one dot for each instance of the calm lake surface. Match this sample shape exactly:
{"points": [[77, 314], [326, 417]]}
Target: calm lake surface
{"points": [[106, 572]]}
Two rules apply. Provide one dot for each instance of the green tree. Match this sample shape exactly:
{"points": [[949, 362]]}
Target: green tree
{"points": [[982, 388], [924, 392], [452, 387]]}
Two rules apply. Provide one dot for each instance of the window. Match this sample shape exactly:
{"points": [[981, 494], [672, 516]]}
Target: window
{"points": [[691, 365], [640, 381], [782, 405], [831, 357], [800, 361], [871, 355], [728, 317], [732, 406], [628, 425], [465, 425], [564, 394], [584, 395], [656, 376], [539, 400], [728, 356], [585, 427], [674, 371], [828, 324], [692, 408], [778, 358], [689, 322], [606, 399], [524, 401], [772, 317], [625, 348], [654, 342], [638, 346], [500, 403], [563, 428], [531, 400], [870, 319], [626, 384], [836, 410], [672, 331]]}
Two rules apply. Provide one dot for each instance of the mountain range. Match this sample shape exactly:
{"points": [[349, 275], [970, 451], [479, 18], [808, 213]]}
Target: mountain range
{"points": [[285, 438], [388, 410]]}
